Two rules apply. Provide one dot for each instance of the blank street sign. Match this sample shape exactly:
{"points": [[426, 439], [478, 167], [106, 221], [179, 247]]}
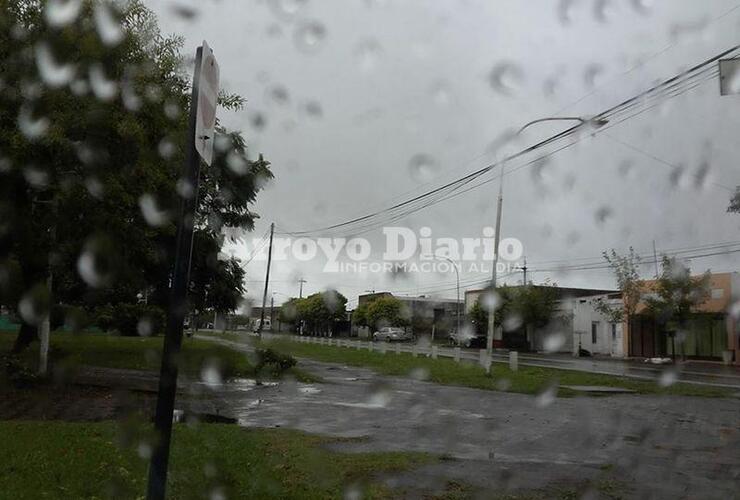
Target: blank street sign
{"points": [[207, 97], [729, 76]]}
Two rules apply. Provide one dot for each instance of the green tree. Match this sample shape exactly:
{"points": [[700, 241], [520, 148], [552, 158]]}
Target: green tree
{"points": [[676, 295], [478, 317], [359, 316], [534, 304], [735, 201], [626, 270], [318, 312], [91, 145], [386, 311]]}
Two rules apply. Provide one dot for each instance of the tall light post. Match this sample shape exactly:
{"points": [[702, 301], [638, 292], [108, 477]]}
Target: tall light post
{"points": [[595, 122], [457, 308]]}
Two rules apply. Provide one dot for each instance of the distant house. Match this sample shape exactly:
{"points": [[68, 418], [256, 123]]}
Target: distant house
{"points": [[711, 333], [574, 316], [425, 313]]}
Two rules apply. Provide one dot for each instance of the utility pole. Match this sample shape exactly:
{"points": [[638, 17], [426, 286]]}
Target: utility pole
{"points": [[300, 291], [524, 271], [272, 310], [497, 237], [267, 282], [594, 122], [655, 258], [457, 304]]}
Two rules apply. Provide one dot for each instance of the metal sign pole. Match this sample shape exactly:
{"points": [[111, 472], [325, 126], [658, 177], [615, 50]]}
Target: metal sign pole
{"points": [[176, 314]]}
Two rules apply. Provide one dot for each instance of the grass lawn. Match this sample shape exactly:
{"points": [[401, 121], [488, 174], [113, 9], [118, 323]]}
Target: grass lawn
{"points": [[104, 459], [528, 380], [138, 353]]}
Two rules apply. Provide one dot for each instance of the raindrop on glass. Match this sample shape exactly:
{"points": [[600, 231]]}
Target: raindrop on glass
{"points": [[103, 88], [237, 163], [153, 215], [184, 188], [422, 168], [31, 127], [309, 36], [286, 9], [512, 322], [184, 11], [490, 300], [144, 450], [642, 7], [94, 187], [60, 13], [554, 342], [313, 109], [602, 214], [278, 94], [506, 77], [592, 75], [108, 27], [52, 73], [547, 396], [441, 94], [95, 264], [34, 305], [603, 10], [79, 87], [257, 120], [36, 177], [211, 374], [565, 10], [668, 377], [419, 373], [144, 327], [368, 52]]}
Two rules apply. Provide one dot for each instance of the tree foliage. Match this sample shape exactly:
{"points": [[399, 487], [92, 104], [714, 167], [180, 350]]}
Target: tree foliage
{"points": [[626, 270], [386, 311], [735, 202], [677, 293], [530, 305], [317, 312], [92, 136]]}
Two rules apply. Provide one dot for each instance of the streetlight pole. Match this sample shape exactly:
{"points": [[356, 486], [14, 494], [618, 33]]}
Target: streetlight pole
{"points": [[457, 275], [596, 122]]}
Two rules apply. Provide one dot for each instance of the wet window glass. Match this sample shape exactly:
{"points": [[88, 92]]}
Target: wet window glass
{"points": [[369, 249]]}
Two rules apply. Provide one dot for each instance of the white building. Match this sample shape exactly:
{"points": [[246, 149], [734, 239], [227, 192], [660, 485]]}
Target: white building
{"points": [[594, 331]]}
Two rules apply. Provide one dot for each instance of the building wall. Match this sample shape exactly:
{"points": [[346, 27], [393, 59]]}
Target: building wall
{"points": [[724, 292], [609, 336]]}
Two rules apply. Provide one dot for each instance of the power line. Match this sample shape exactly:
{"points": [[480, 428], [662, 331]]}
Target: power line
{"points": [[641, 63], [669, 88]]}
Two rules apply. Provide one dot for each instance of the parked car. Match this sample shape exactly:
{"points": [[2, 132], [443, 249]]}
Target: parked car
{"points": [[466, 339], [267, 325], [392, 333]]}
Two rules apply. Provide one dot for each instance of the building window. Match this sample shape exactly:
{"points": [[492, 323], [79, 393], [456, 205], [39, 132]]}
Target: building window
{"points": [[594, 331], [717, 293], [614, 332]]}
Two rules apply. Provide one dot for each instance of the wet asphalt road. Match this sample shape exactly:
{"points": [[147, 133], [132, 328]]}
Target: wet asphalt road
{"points": [[643, 446]]}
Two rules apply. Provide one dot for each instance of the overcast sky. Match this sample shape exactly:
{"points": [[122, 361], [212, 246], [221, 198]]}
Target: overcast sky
{"points": [[343, 94]]}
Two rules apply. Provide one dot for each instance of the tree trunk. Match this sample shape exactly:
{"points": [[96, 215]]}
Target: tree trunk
{"points": [[26, 335]]}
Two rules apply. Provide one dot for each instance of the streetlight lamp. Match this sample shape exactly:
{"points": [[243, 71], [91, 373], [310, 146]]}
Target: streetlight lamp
{"points": [[595, 122]]}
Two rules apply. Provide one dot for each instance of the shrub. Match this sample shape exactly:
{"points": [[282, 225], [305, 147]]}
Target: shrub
{"points": [[125, 319], [274, 362]]}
